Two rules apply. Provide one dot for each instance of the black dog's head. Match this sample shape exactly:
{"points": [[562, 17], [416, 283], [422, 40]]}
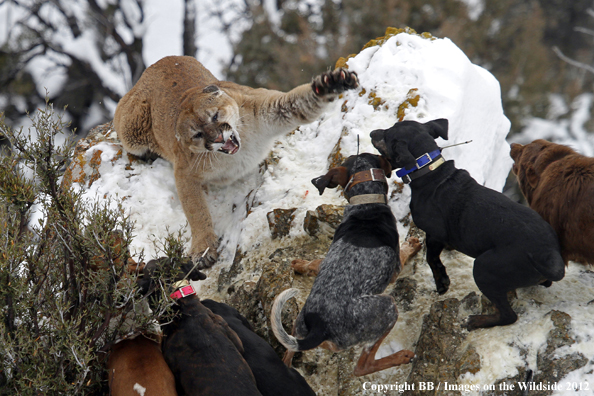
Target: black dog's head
{"points": [[353, 164], [403, 143], [168, 271]]}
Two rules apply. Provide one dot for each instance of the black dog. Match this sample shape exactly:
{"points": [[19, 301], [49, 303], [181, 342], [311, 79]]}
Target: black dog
{"points": [[345, 307], [272, 376], [203, 353], [513, 246]]}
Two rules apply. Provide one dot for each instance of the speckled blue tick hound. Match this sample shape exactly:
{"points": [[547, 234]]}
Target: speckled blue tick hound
{"points": [[345, 307]]}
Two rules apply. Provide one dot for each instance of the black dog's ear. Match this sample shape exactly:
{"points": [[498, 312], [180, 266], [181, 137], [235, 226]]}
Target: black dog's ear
{"points": [[197, 275], [386, 167], [188, 266], [145, 280], [402, 156], [379, 142], [334, 177], [438, 128]]}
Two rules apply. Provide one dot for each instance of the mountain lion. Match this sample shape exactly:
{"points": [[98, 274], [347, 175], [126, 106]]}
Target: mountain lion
{"points": [[213, 132]]}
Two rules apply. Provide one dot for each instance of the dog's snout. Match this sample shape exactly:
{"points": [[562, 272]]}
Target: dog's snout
{"points": [[377, 139], [376, 135]]}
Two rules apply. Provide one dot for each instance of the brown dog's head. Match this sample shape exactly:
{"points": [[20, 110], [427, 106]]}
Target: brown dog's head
{"points": [[341, 175], [208, 121], [531, 160]]}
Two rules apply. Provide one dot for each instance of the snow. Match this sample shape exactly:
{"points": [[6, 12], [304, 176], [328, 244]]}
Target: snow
{"points": [[449, 86], [475, 8], [565, 125], [139, 388]]}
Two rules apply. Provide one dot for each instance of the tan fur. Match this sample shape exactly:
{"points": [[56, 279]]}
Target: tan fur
{"points": [[177, 98]]}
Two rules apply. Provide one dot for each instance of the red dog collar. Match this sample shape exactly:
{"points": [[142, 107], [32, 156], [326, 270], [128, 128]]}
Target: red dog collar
{"points": [[183, 292]]}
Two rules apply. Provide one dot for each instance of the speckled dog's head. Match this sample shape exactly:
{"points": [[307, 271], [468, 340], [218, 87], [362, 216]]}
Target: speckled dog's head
{"points": [[404, 142]]}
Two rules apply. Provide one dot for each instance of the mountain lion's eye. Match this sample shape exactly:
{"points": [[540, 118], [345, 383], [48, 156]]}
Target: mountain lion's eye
{"points": [[198, 135], [215, 117]]}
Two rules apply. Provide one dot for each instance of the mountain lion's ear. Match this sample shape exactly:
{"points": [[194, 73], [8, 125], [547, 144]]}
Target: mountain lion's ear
{"points": [[334, 177], [210, 89]]}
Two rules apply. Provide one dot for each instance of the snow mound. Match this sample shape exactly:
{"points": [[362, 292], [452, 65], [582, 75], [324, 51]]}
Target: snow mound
{"points": [[407, 77]]}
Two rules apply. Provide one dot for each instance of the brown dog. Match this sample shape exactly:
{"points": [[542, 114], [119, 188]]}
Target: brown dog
{"points": [[137, 366], [558, 183]]}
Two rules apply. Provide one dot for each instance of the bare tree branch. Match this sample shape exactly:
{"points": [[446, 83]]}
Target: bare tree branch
{"points": [[573, 62], [584, 30], [189, 34], [70, 19]]}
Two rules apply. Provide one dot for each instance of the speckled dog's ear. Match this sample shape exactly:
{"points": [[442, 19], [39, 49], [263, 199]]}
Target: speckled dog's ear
{"points": [[386, 167], [334, 177]]}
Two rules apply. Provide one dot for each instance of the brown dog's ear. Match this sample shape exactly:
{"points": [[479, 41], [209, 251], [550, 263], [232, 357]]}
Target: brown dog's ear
{"points": [[438, 128], [531, 176], [516, 151], [386, 167], [334, 177]]}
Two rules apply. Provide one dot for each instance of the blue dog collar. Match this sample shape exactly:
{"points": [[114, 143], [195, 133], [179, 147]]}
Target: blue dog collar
{"points": [[422, 161]]}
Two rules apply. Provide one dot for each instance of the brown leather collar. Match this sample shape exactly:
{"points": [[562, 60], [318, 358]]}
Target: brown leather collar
{"points": [[373, 174]]}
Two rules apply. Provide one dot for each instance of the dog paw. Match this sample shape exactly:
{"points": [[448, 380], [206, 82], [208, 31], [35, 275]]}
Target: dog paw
{"points": [[405, 356], [442, 285], [335, 82], [474, 322], [547, 283], [307, 268], [409, 248]]}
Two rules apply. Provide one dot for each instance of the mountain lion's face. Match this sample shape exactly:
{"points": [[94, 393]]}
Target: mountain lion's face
{"points": [[208, 121]]}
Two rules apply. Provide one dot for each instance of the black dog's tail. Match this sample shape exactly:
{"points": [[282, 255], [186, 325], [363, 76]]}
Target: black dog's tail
{"points": [[316, 333], [551, 266]]}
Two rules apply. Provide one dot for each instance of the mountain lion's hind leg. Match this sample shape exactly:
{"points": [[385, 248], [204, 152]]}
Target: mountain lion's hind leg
{"points": [[132, 123]]}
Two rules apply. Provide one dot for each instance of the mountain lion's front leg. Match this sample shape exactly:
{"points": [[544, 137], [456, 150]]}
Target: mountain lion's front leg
{"points": [[283, 112], [191, 195]]}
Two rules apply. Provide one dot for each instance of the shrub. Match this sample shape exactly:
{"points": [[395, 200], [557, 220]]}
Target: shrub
{"points": [[65, 290]]}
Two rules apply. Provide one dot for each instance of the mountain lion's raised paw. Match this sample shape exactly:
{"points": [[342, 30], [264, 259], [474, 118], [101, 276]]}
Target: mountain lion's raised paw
{"points": [[335, 81]]}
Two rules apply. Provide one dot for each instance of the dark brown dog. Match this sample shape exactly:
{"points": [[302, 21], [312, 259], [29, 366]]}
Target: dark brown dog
{"points": [[558, 183], [203, 353]]}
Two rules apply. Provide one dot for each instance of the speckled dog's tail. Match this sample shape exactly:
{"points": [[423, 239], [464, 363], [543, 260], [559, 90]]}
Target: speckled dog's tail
{"points": [[316, 334]]}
